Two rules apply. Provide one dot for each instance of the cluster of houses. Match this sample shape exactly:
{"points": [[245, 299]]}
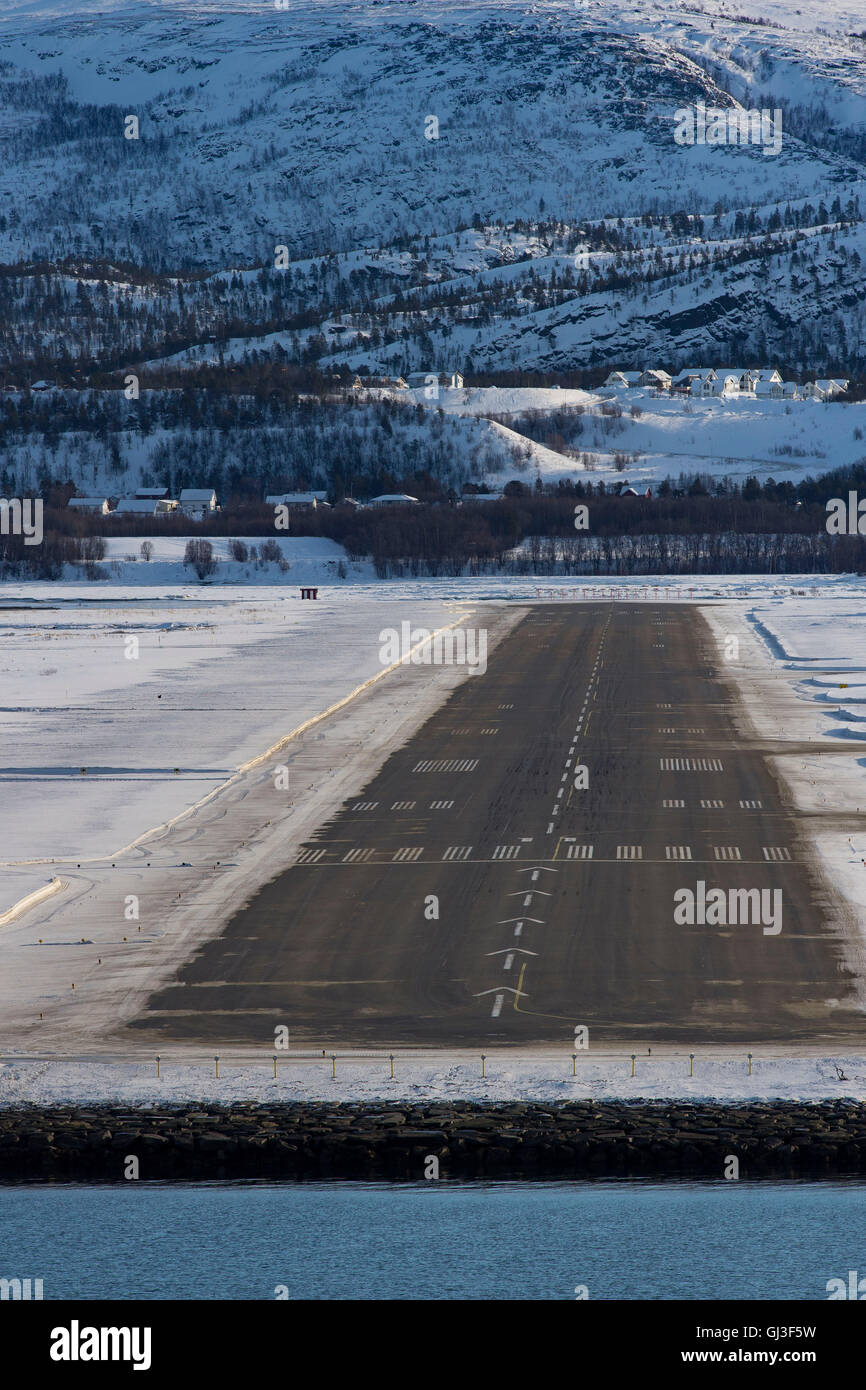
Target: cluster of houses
{"points": [[196, 503], [414, 381], [310, 501], [763, 383]]}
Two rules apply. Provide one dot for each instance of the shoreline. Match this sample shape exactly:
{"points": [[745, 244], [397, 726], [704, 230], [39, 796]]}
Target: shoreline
{"points": [[410, 1142]]}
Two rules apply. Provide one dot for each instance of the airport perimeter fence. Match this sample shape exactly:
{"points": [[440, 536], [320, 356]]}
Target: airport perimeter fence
{"points": [[490, 1065]]}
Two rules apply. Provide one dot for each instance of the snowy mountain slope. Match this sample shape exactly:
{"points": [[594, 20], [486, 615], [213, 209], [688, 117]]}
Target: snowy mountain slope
{"points": [[306, 126], [553, 225], [345, 446]]}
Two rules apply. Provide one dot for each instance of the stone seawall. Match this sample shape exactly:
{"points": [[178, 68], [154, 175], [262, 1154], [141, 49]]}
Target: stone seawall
{"points": [[396, 1141]]}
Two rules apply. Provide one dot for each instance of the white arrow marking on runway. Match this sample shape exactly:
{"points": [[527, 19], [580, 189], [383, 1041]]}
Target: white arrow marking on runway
{"points": [[498, 990], [510, 949], [533, 869]]}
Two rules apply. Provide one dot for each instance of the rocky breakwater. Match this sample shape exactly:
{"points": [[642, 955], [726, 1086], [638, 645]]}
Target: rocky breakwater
{"points": [[400, 1140]]}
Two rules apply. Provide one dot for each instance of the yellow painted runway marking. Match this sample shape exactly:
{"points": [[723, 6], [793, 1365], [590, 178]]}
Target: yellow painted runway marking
{"points": [[519, 986]]}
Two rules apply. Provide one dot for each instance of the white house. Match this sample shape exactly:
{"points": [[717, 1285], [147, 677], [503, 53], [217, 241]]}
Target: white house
{"points": [[622, 379], [90, 504], [157, 493], [393, 499], [658, 380], [832, 386], [725, 384], [769, 390], [198, 502], [746, 378], [450, 381], [297, 501], [714, 384], [813, 392], [767, 374], [791, 390], [683, 380]]}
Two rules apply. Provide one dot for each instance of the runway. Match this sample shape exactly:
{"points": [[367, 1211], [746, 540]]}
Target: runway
{"points": [[510, 874]]}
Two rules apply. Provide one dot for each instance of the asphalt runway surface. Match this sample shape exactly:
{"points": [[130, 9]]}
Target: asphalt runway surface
{"points": [[478, 892]]}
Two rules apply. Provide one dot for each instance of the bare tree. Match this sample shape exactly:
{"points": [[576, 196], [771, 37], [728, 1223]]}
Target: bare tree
{"points": [[200, 555]]}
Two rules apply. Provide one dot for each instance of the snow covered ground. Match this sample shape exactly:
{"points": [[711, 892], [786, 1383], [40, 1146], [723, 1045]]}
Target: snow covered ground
{"points": [[542, 1076], [309, 560], [801, 667], [123, 710], [664, 436]]}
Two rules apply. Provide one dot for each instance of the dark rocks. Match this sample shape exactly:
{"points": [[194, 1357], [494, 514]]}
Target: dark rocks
{"points": [[394, 1141]]}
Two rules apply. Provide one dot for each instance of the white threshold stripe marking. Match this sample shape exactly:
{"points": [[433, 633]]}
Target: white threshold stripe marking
{"points": [[311, 856]]}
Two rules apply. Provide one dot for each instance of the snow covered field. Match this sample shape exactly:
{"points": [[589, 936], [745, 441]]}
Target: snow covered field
{"points": [[736, 436], [540, 1076], [222, 675], [123, 710], [801, 667]]}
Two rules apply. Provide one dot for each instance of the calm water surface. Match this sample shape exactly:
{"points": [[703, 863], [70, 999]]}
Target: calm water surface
{"points": [[631, 1240]]}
